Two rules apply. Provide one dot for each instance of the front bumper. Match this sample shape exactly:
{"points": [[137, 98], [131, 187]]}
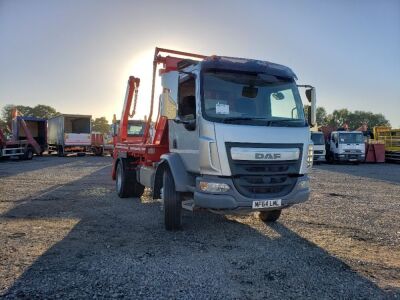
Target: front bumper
{"points": [[319, 157], [232, 200], [350, 157]]}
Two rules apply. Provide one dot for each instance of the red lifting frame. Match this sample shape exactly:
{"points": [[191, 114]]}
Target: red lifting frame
{"points": [[145, 151]]}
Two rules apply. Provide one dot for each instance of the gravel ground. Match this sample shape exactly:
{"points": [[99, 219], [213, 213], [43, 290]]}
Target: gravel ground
{"points": [[65, 234]]}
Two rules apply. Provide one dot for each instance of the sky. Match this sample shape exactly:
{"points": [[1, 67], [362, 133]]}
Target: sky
{"points": [[77, 55]]}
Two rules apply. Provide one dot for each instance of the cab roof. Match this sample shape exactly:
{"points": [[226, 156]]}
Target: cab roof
{"points": [[247, 65]]}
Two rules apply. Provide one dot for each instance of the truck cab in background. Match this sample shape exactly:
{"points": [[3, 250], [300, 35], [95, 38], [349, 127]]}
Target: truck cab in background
{"points": [[345, 146], [318, 140]]}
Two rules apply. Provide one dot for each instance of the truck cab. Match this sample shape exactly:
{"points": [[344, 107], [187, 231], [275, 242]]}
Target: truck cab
{"points": [[345, 146], [319, 146], [240, 134]]}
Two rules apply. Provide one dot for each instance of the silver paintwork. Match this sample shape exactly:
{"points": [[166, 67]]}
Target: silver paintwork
{"points": [[203, 152], [265, 154]]}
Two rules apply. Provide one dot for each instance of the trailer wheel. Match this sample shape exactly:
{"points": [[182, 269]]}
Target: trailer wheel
{"points": [[60, 151], [126, 183], [98, 151], [28, 154], [270, 216], [172, 202]]}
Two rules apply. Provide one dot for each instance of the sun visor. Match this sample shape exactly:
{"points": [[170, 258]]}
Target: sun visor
{"points": [[246, 65]]}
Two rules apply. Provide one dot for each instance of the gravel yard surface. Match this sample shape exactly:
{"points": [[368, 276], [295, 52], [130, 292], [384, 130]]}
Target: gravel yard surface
{"points": [[64, 233]]}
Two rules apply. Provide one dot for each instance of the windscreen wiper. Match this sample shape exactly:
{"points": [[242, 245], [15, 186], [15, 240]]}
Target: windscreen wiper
{"points": [[232, 119], [283, 121]]}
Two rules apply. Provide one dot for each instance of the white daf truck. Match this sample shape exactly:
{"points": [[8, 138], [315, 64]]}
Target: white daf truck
{"points": [[345, 146], [230, 137]]}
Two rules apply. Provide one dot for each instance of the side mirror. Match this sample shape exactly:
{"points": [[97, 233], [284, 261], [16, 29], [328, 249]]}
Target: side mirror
{"points": [[191, 125], [168, 105], [312, 112]]}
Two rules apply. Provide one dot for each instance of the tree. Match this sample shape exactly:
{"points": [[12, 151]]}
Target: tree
{"points": [[322, 117], [4, 127], [101, 125], [43, 111], [7, 109], [339, 117], [358, 117]]}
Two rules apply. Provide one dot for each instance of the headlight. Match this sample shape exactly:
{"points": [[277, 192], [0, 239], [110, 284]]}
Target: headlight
{"points": [[213, 187], [310, 156]]}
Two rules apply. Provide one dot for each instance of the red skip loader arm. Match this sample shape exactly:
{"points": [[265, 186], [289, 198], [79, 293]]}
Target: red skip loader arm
{"points": [[169, 63], [143, 151], [131, 90]]}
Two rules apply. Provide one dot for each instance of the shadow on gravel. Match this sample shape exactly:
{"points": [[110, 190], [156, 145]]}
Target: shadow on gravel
{"points": [[386, 172], [120, 249], [13, 167]]}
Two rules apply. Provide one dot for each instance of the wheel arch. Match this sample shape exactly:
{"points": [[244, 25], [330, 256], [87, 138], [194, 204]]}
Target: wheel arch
{"points": [[114, 168], [174, 163]]}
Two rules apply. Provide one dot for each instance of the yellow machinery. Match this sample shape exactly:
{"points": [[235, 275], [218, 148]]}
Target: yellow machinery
{"points": [[391, 138]]}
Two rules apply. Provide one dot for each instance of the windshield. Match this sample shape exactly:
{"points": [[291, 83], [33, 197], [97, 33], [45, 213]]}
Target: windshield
{"points": [[135, 128], [318, 138], [252, 99], [351, 138]]}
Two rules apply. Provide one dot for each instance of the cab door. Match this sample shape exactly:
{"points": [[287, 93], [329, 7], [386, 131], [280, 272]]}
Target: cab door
{"points": [[185, 137]]}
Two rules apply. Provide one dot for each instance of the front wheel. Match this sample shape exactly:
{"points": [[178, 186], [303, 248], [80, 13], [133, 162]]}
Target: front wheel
{"points": [[270, 216], [172, 202]]}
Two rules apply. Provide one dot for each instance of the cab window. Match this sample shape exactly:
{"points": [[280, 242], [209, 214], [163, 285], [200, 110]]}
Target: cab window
{"points": [[187, 99]]}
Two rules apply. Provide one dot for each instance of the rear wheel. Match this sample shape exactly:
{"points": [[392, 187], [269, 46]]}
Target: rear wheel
{"points": [[60, 151], [126, 183], [98, 151], [172, 202], [270, 216], [28, 154]]}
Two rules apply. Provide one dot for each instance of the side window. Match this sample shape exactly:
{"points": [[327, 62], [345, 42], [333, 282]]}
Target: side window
{"points": [[187, 99], [283, 104]]}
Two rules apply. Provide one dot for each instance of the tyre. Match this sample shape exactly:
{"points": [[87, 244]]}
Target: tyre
{"points": [[172, 202], [98, 152], [28, 154], [60, 151], [270, 216], [126, 183]]}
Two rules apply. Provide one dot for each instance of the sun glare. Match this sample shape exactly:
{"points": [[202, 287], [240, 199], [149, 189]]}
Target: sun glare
{"points": [[141, 66]]}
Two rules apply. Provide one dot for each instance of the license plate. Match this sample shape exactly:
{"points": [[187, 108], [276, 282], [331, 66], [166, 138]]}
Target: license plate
{"points": [[267, 203]]}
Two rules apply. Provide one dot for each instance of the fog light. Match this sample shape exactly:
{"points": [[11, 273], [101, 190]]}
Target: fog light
{"points": [[304, 184], [213, 187]]}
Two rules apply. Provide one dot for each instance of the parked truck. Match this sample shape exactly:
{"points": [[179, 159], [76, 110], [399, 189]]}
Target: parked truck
{"points": [[37, 128], [69, 133], [230, 137], [319, 146], [345, 146], [23, 143]]}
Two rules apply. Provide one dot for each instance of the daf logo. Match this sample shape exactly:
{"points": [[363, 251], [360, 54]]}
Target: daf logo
{"points": [[269, 156]]}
